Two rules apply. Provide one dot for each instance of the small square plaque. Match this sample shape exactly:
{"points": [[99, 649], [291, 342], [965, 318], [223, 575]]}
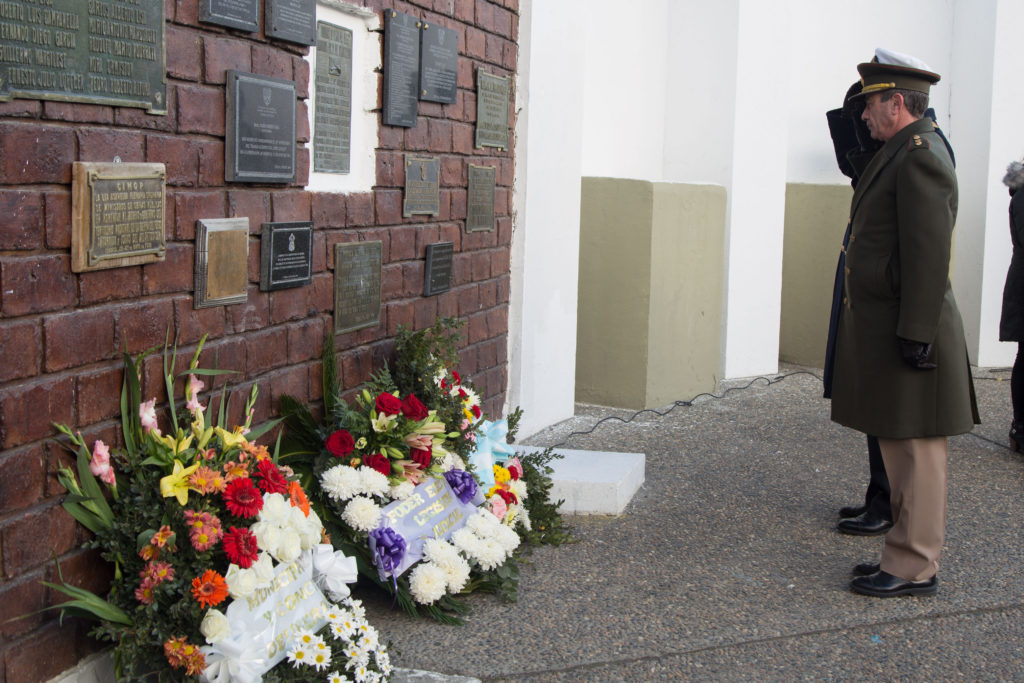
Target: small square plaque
{"points": [[491, 110], [259, 145], [357, 267], [117, 215], [439, 63], [222, 262], [292, 20], [401, 68], [422, 186], [286, 255], [480, 199], [240, 14], [437, 274]]}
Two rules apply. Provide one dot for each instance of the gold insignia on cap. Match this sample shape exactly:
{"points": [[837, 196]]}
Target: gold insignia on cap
{"points": [[875, 86]]}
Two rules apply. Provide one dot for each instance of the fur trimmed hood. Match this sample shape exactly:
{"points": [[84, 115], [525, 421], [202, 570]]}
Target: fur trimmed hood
{"points": [[1014, 178]]}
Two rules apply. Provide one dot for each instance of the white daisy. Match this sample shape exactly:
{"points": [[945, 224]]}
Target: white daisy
{"points": [[321, 659], [298, 656]]}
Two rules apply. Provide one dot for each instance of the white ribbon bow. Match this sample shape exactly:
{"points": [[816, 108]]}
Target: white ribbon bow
{"points": [[332, 570], [232, 661]]}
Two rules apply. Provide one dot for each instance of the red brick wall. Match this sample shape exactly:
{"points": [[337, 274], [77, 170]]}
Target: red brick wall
{"points": [[61, 333]]}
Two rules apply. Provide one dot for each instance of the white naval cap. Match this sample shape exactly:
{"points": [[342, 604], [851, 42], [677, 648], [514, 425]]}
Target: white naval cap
{"points": [[883, 56]]}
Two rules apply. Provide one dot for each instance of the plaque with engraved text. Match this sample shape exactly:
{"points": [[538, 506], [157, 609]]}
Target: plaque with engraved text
{"points": [[401, 68], [286, 255], [292, 20], [117, 215], [439, 64], [491, 110], [240, 14], [480, 199], [222, 259], [357, 268], [332, 115], [437, 274], [422, 186], [101, 52], [260, 141]]}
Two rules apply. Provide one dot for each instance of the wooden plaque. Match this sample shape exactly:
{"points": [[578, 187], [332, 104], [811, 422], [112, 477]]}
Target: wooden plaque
{"points": [[222, 262]]}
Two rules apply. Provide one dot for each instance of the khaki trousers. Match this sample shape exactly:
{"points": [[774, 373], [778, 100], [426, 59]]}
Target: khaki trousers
{"points": [[917, 477]]}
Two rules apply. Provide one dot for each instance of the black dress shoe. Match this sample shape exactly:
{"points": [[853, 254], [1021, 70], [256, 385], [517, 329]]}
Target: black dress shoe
{"points": [[867, 524], [885, 585], [866, 569], [852, 511]]}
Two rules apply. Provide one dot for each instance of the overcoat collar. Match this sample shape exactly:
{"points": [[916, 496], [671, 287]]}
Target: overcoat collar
{"points": [[885, 155]]}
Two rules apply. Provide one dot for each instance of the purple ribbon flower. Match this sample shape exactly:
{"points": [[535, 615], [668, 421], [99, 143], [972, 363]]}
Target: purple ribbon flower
{"points": [[463, 484], [388, 548]]}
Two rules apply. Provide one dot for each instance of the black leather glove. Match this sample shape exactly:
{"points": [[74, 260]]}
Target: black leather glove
{"points": [[916, 354]]}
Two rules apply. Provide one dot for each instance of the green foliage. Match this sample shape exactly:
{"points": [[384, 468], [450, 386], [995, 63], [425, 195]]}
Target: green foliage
{"points": [[513, 420], [548, 527]]}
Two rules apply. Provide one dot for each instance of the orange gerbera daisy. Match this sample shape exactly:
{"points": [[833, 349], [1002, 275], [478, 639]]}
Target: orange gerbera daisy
{"points": [[298, 497], [209, 589]]}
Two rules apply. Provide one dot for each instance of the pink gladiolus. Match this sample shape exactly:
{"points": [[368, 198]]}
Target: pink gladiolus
{"points": [[194, 387], [147, 416], [100, 463]]}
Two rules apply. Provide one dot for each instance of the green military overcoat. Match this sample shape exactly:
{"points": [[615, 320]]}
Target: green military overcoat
{"points": [[897, 285]]}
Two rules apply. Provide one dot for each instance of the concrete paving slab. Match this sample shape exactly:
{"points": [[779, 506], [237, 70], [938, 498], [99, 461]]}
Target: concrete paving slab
{"points": [[593, 482]]}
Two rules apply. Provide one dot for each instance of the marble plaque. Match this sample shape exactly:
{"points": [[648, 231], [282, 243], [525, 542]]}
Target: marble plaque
{"points": [[401, 68], [332, 115], [291, 20], [222, 262], [259, 144], [439, 63], [240, 14], [286, 255], [491, 110], [437, 273], [357, 267], [422, 186], [480, 199], [117, 215], [98, 52]]}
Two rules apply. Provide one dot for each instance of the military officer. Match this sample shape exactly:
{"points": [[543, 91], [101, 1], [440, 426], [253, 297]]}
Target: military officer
{"points": [[901, 370]]}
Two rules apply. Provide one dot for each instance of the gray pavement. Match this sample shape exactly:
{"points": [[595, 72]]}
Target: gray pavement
{"points": [[726, 565]]}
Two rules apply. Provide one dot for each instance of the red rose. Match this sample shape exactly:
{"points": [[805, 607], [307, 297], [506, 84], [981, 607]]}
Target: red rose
{"points": [[457, 377], [340, 443], [462, 394], [413, 408], [476, 412], [421, 457], [507, 496], [378, 462], [388, 404]]}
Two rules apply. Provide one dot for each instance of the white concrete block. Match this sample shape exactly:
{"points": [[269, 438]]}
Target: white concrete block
{"points": [[593, 482]]}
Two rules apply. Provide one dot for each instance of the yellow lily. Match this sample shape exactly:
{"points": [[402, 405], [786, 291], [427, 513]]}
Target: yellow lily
{"points": [[230, 439], [176, 483], [176, 445]]}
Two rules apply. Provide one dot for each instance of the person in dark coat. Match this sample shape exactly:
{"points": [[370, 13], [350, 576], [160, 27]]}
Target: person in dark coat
{"points": [[1011, 322], [901, 370]]}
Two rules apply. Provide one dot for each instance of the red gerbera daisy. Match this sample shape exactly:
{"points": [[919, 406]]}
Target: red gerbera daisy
{"points": [[240, 547], [243, 498], [270, 478]]}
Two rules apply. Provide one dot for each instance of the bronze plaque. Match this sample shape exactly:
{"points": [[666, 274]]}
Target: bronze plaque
{"points": [[439, 64], [332, 115], [401, 68], [422, 186], [260, 142], [491, 110], [96, 51], [437, 273], [286, 255], [222, 262], [291, 20], [117, 215], [240, 14], [357, 268], [480, 199]]}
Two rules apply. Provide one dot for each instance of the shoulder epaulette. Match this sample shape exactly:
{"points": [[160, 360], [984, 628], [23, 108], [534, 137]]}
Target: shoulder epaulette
{"points": [[917, 142]]}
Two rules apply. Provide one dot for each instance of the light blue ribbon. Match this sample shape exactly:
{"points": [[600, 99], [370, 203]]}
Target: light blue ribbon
{"points": [[490, 448]]}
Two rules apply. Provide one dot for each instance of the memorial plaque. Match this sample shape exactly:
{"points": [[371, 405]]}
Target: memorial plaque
{"points": [[401, 68], [286, 255], [240, 14], [439, 64], [292, 20], [480, 199], [491, 110], [117, 215], [356, 285], [260, 141], [101, 52], [422, 186], [437, 274], [222, 260], [332, 115]]}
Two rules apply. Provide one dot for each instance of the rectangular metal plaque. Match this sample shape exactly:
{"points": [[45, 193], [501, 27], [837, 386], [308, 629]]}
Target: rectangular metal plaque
{"points": [[97, 51], [240, 14], [491, 110], [222, 262], [480, 199], [332, 116], [439, 64], [292, 20], [357, 268], [422, 186], [401, 68], [117, 215], [260, 141], [286, 255], [437, 274]]}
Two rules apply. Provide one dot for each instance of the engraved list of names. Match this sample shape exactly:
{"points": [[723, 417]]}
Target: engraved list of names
{"points": [[96, 51]]}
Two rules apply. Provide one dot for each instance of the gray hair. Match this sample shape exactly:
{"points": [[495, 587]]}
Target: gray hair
{"points": [[916, 102]]}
